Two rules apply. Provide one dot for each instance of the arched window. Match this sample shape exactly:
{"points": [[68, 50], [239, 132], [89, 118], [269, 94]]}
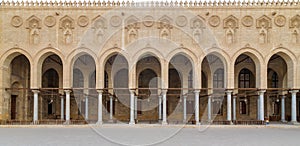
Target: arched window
{"points": [[244, 78], [274, 80], [218, 78]]}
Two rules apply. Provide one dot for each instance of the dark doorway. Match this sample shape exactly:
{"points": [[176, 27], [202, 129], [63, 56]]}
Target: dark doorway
{"points": [[13, 107]]}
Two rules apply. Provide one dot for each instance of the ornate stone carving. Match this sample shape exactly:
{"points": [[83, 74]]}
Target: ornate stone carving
{"points": [[132, 26], [197, 24], [83, 21], [214, 21], [50, 21], [148, 21], [230, 25], [280, 20], [99, 26], [165, 26], [34, 24], [263, 23], [16, 21], [247, 21], [67, 25], [295, 25], [181, 21], [115, 21]]}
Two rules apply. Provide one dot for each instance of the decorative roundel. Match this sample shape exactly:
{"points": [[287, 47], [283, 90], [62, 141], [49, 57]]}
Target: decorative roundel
{"points": [[181, 21], [214, 20], [148, 21], [247, 21], [115, 21], [16, 21], [280, 20], [50, 21], [83, 21]]}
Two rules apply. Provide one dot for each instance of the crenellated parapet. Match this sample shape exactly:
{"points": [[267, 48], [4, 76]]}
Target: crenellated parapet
{"points": [[190, 4]]}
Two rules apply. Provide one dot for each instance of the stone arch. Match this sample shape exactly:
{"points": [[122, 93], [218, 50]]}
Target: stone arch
{"points": [[39, 60], [147, 52], [9, 55], [260, 66], [290, 60]]}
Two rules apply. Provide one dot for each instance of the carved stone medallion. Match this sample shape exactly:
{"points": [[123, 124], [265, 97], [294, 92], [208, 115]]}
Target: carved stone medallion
{"points": [[181, 21], [115, 21], [148, 21], [83, 21], [50, 21], [247, 21], [280, 20], [16, 21], [214, 21]]}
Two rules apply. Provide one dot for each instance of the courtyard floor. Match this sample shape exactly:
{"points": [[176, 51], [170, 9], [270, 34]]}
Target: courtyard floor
{"points": [[271, 135]]}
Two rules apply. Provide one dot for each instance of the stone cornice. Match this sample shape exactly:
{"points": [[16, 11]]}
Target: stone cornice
{"points": [[153, 4]]}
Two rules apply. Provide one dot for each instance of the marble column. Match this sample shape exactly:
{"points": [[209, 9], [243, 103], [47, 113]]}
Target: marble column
{"points": [[68, 105], [184, 108], [135, 107], [159, 107], [257, 110], [87, 107], [164, 96], [131, 122], [35, 106], [228, 92], [293, 106], [197, 106], [234, 108], [111, 108], [283, 108], [62, 106], [261, 105], [100, 121], [209, 109]]}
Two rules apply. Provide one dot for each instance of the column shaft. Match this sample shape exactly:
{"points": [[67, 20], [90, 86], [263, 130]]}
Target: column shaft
{"points": [[184, 108], [228, 105], [68, 106], [261, 105], [159, 106], [111, 108], [35, 106], [197, 106], [99, 107], [234, 108], [62, 113], [131, 122], [282, 109], [209, 109], [86, 108], [164, 96], [293, 106]]}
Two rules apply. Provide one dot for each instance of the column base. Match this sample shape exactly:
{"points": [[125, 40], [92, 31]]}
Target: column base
{"points": [[110, 121], [294, 123], [99, 123], [67, 122], [164, 123], [36, 122], [131, 123], [198, 124], [283, 121]]}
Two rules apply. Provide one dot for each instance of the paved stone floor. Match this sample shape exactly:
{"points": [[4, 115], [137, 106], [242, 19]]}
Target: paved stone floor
{"points": [[150, 135]]}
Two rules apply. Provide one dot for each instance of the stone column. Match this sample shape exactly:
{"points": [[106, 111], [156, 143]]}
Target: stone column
{"points": [[159, 107], [68, 105], [87, 107], [35, 106], [257, 106], [228, 92], [99, 122], [283, 108], [62, 106], [234, 108], [184, 108], [135, 107], [164, 96], [197, 106], [261, 105], [111, 109], [209, 109], [131, 122], [293, 106]]}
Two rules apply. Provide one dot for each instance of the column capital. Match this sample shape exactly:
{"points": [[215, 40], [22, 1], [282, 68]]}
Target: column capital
{"points": [[184, 96], [132, 91], [67, 91], [35, 90], [164, 91], [294, 91], [261, 91], [283, 96], [196, 90], [99, 90], [229, 91]]}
